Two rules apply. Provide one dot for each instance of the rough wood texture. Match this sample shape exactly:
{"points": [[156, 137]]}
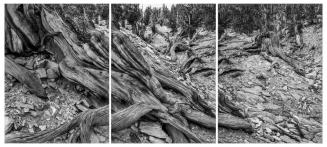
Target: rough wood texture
{"points": [[26, 77], [85, 120], [139, 85], [32, 28]]}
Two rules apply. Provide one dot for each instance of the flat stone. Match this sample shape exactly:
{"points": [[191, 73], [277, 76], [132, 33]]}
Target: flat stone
{"points": [[41, 72], [102, 138], [47, 114], [30, 64], [31, 130], [265, 93], [20, 61], [311, 75], [53, 85], [268, 130], [34, 113], [277, 139], [81, 107], [9, 123], [155, 140], [152, 129], [52, 65], [94, 138], [270, 106], [41, 64], [287, 139], [42, 127], [249, 97], [52, 74], [253, 90], [79, 88]]}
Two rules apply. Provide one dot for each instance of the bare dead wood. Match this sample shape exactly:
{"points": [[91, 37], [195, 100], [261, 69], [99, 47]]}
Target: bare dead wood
{"points": [[85, 120], [177, 136], [229, 121], [126, 117], [26, 77], [139, 80], [35, 28]]}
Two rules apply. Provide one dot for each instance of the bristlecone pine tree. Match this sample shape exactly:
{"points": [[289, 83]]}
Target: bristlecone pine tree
{"points": [[83, 58]]}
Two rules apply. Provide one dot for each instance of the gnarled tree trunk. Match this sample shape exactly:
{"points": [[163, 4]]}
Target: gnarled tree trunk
{"points": [[140, 89], [32, 29]]}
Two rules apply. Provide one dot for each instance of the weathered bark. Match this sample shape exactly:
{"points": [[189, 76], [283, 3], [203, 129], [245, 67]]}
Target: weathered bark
{"points": [[34, 29], [86, 64], [24, 76], [229, 121], [85, 121], [139, 85], [269, 42]]}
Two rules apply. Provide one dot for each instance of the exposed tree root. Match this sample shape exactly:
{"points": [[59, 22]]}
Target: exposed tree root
{"points": [[139, 89], [85, 120]]}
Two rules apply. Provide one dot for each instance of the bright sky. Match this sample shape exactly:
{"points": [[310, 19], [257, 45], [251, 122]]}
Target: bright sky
{"points": [[154, 5]]}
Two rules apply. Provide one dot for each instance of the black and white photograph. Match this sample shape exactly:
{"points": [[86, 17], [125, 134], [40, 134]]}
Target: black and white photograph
{"points": [[270, 73], [163, 73], [56, 73]]}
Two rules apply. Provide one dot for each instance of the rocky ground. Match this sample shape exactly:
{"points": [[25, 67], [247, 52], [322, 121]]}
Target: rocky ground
{"points": [[26, 113], [204, 81], [282, 106]]}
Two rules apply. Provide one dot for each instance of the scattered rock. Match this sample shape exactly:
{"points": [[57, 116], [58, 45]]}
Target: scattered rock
{"points": [[155, 140], [26, 109], [43, 127], [79, 88], [265, 93], [53, 85], [52, 65], [287, 139], [41, 72], [47, 114], [52, 74], [53, 109], [268, 130], [318, 138], [311, 75], [41, 64], [102, 138], [9, 123], [34, 113], [270, 106], [20, 61], [134, 137], [152, 129], [277, 139], [44, 85], [30, 64], [81, 107], [94, 138], [31, 130]]}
